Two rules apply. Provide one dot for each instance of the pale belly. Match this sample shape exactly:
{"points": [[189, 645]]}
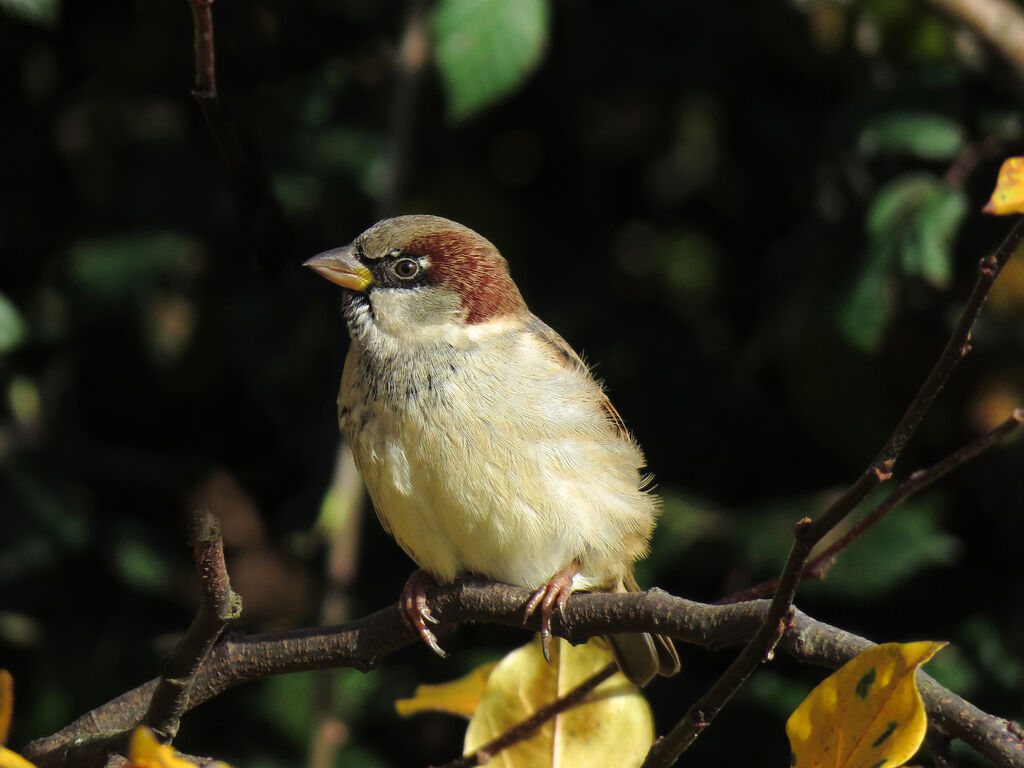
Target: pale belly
{"points": [[513, 480], [454, 516]]}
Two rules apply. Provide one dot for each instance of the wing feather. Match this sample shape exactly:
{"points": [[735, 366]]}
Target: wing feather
{"points": [[571, 360]]}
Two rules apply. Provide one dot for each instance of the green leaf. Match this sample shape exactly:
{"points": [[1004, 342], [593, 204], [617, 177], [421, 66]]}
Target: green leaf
{"points": [[910, 225], [955, 670], [125, 265], [920, 134], [13, 328], [864, 315], [906, 542], [139, 565], [938, 221], [485, 48], [987, 643], [896, 204]]}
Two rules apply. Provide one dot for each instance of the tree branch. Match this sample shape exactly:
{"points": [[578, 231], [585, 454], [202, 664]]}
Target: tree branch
{"points": [[363, 643], [264, 233], [918, 481], [220, 605], [808, 533]]}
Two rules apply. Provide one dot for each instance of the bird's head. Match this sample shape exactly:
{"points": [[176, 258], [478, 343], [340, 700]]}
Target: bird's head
{"points": [[421, 271]]}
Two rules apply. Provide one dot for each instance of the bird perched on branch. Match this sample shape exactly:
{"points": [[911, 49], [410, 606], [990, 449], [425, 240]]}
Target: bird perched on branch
{"points": [[486, 445]]}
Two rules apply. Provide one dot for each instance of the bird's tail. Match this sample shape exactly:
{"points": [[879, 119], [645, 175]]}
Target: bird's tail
{"points": [[641, 655]]}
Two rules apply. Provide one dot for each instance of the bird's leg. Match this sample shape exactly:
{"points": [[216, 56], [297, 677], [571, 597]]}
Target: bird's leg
{"points": [[552, 595], [412, 604]]}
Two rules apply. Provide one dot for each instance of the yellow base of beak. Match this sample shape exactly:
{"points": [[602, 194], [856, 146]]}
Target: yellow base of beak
{"points": [[341, 266]]}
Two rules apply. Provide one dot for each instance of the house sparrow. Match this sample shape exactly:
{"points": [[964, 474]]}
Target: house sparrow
{"points": [[486, 445]]}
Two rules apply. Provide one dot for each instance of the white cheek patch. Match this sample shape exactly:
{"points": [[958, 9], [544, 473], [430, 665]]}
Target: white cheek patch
{"points": [[410, 312]]}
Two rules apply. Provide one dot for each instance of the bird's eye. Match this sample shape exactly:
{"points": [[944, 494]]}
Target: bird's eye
{"points": [[406, 268]]}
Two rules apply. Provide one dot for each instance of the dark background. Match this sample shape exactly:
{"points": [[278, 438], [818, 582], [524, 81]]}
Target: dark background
{"points": [[685, 191]]}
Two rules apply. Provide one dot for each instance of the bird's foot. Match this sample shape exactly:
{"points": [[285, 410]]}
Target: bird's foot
{"points": [[549, 597], [412, 604]]}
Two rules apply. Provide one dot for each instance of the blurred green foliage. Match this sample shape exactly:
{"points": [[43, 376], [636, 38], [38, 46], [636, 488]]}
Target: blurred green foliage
{"points": [[12, 326], [910, 223], [120, 266], [45, 12], [756, 220], [918, 134], [484, 48]]}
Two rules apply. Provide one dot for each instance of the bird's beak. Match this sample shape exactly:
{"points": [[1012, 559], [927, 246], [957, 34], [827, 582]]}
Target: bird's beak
{"points": [[342, 267]]}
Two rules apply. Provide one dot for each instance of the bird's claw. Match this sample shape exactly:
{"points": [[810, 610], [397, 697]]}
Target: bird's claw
{"points": [[549, 598], [412, 604]]}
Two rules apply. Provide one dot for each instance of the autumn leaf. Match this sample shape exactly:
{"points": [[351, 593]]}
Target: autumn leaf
{"points": [[458, 697], [11, 759], [6, 704], [145, 751], [867, 714], [8, 758], [614, 727], [1008, 196]]}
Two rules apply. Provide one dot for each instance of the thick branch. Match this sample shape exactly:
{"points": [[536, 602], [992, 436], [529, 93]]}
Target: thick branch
{"points": [[362, 644], [219, 605]]}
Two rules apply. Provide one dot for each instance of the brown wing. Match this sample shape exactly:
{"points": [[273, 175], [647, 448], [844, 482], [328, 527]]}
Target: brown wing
{"points": [[569, 357]]}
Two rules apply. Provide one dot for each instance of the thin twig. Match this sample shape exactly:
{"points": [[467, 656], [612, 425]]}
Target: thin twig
{"points": [[205, 91], [265, 236], [523, 730], [808, 533], [918, 481], [965, 163], [219, 605], [939, 747]]}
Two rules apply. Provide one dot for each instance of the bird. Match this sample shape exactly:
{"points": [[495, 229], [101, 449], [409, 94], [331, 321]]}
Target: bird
{"points": [[486, 445]]}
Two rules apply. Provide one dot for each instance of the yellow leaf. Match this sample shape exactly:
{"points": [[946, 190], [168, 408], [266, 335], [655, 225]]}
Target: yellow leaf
{"points": [[8, 758], [11, 759], [867, 714], [145, 751], [459, 697], [6, 704], [1008, 196], [614, 728]]}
